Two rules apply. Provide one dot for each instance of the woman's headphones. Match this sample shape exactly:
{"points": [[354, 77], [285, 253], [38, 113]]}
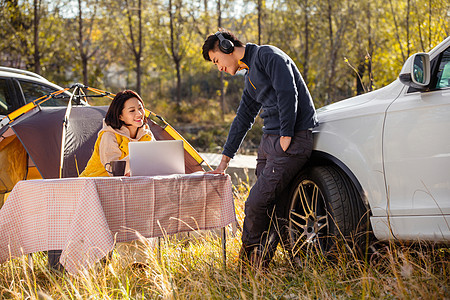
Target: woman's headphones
{"points": [[225, 45]]}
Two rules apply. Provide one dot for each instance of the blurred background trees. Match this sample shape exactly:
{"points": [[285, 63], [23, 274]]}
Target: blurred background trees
{"points": [[342, 48]]}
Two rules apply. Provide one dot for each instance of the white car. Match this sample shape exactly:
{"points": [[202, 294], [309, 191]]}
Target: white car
{"points": [[382, 157], [19, 87]]}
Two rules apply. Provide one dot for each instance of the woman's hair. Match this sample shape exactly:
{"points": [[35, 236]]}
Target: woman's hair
{"points": [[115, 108], [212, 42]]}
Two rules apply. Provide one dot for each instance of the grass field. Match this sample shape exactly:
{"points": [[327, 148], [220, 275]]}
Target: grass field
{"points": [[194, 270]]}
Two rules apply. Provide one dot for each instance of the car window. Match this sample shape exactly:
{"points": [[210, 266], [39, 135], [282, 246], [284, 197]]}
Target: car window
{"points": [[443, 72], [32, 91], [6, 104]]}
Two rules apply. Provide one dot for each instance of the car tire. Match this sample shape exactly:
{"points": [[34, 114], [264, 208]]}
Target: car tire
{"points": [[324, 208]]}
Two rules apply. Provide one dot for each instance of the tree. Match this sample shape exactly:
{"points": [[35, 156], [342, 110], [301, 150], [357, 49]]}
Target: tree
{"points": [[85, 41], [201, 22], [160, 42], [15, 25], [179, 38], [43, 23], [222, 81], [175, 52], [37, 56], [338, 18], [260, 8], [136, 44]]}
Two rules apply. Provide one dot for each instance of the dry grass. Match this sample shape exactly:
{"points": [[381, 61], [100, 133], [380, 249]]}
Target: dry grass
{"points": [[194, 270]]}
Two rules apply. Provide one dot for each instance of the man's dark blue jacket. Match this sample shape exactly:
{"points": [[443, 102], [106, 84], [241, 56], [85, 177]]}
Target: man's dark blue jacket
{"points": [[274, 85]]}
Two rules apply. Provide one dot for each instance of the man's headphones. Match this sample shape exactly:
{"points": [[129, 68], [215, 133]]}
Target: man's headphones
{"points": [[225, 45]]}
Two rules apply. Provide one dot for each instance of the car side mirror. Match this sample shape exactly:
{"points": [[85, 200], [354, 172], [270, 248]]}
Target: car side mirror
{"points": [[416, 71]]}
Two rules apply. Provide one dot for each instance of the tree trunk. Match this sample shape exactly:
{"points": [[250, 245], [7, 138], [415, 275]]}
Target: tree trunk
{"points": [[407, 29], [37, 56], [370, 46], [222, 81], [359, 84], [206, 11], [397, 30], [136, 49], [429, 23], [259, 21], [306, 51], [139, 52], [83, 54], [419, 27], [85, 71], [330, 87], [138, 75], [175, 55], [178, 66]]}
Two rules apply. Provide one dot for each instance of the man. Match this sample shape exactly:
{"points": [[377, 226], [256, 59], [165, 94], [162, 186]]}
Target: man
{"points": [[274, 85]]}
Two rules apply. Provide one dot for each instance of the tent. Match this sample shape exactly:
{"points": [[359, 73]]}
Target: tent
{"points": [[30, 144]]}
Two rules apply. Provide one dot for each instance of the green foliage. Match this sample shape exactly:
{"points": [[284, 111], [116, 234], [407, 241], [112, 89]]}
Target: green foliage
{"points": [[15, 24]]}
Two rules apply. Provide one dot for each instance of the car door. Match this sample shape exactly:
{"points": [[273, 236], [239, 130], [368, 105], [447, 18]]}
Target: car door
{"points": [[416, 155]]}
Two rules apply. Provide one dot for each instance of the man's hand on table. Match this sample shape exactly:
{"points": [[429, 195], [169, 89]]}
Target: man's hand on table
{"points": [[222, 167]]}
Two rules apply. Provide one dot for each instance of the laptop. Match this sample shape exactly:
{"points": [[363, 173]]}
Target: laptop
{"points": [[156, 158]]}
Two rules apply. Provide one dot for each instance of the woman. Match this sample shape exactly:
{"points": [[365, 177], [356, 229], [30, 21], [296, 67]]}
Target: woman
{"points": [[124, 122]]}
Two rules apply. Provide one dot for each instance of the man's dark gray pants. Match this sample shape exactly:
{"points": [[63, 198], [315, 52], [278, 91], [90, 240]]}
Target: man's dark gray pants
{"points": [[275, 170]]}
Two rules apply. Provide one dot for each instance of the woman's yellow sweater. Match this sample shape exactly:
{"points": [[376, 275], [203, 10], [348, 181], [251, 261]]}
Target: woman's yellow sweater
{"points": [[112, 144]]}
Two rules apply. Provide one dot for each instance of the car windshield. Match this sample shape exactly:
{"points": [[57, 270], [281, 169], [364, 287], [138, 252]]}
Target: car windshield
{"points": [[443, 75], [32, 91]]}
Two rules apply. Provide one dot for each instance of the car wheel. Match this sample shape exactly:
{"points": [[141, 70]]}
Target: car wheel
{"points": [[324, 207]]}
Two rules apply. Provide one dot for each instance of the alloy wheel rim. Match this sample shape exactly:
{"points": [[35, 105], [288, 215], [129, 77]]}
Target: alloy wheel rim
{"points": [[308, 222]]}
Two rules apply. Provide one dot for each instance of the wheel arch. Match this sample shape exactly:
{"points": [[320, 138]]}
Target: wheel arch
{"points": [[320, 158]]}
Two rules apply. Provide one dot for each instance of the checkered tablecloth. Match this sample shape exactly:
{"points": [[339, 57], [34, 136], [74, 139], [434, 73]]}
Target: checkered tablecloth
{"points": [[84, 216]]}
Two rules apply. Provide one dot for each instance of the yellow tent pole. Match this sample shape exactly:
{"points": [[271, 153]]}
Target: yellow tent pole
{"points": [[108, 95], [29, 106]]}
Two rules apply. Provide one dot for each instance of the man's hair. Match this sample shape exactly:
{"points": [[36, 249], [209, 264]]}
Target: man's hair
{"points": [[212, 42], [116, 107]]}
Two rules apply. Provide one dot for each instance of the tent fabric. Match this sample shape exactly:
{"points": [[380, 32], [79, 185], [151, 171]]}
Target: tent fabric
{"points": [[191, 165], [13, 160], [41, 135], [39, 132]]}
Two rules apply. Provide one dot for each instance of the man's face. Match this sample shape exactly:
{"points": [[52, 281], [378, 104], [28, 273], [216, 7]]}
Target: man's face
{"points": [[224, 62]]}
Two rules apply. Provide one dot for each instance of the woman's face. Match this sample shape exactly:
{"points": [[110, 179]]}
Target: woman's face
{"points": [[132, 113]]}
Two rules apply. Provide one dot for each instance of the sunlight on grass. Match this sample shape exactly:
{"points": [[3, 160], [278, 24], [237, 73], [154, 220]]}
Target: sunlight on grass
{"points": [[192, 268]]}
